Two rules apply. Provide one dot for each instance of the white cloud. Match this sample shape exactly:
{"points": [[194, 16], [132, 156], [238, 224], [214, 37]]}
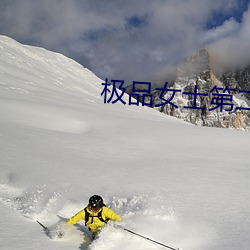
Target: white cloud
{"points": [[97, 33], [233, 50], [228, 28]]}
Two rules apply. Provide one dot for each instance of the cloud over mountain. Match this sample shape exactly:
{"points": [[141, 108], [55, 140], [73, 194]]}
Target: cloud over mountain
{"points": [[130, 40]]}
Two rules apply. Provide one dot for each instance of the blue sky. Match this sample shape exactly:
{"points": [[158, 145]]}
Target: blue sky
{"points": [[218, 17], [132, 40]]}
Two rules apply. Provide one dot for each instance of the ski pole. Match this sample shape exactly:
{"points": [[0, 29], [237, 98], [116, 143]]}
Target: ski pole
{"points": [[146, 238], [45, 228]]}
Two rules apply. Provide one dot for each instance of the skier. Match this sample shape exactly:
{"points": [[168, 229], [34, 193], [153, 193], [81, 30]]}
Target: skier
{"points": [[95, 214]]}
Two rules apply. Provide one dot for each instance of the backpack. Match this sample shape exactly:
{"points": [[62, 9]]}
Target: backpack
{"points": [[88, 216]]}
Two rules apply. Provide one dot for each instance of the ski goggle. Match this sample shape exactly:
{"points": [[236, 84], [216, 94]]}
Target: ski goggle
{"points": [[94, 208]]}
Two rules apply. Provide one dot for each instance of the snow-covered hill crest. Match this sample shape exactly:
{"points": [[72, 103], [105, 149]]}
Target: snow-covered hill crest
{"points": [[31, 78]]}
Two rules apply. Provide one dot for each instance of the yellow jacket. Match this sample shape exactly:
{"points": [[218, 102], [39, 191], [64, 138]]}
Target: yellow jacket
{"points": [[94, 223]]}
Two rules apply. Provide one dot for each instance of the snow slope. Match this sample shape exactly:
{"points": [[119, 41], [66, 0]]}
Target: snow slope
{"points": [[179, 184]]}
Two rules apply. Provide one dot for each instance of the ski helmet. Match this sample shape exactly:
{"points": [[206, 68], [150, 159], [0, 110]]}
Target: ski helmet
{"points": [[95, 202]]}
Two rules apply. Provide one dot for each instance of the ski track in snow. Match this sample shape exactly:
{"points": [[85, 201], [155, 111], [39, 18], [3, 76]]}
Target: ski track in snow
{"points": [[43, 117], [145, 214]]}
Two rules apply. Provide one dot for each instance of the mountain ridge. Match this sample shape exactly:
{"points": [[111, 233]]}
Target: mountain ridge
{"points": [[199, 70]]}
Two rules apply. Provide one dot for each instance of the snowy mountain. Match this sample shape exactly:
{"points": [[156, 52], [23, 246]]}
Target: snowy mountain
{"points": [[182, 185], [239, 77], [201, 106]]}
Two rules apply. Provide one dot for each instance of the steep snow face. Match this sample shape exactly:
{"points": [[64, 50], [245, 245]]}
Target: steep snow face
{"points": [[179, 184], [36, 74]]}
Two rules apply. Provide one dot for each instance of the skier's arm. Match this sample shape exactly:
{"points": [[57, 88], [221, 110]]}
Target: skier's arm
{"points": [[77, 217], [110, 214]]}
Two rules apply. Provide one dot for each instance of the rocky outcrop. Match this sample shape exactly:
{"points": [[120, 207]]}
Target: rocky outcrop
{"points": [[195, 75], [239, 78]]}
